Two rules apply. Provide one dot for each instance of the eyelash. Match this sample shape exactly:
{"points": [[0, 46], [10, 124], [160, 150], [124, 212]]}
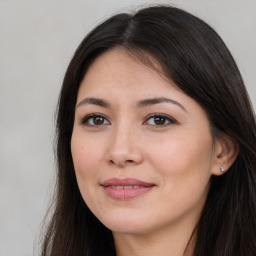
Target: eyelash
{"points": [[162, 116], [165, 118], [85, 120]]}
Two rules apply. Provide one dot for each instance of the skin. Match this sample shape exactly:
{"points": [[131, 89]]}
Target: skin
{"points": [[177, 154]]}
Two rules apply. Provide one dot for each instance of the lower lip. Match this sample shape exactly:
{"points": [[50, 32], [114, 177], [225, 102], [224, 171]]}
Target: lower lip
{"points": [[125, 194]]}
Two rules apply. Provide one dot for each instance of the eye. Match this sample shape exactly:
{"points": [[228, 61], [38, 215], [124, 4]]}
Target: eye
{"points": [[159, 120], [95, 120]]}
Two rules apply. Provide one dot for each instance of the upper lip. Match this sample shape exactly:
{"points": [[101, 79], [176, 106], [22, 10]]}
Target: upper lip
{"points": [[126, 182]]}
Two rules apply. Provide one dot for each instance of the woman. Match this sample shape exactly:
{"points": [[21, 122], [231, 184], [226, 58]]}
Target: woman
{"points": [[155, 143]]}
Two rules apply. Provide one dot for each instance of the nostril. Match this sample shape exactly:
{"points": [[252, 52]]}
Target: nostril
{"points": [[122, 158], [120, 163], [111, 161]]}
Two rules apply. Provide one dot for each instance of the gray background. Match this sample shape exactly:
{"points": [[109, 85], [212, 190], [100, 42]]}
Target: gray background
{"points": [[37, 41]]}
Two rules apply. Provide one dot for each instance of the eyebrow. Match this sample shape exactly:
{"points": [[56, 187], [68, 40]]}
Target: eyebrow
{"points": [[153, 101], [140, 104], [94, 101]]}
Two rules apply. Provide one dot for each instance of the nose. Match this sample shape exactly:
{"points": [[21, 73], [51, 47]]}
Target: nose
{"points": [[124, 147]]}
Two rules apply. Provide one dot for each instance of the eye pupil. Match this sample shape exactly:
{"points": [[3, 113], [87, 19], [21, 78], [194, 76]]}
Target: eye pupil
{"points": [[159, 120], [98, 120]]}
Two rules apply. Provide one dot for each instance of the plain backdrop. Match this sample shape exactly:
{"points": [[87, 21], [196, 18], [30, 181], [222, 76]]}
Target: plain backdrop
{"points": [[37, 41]]}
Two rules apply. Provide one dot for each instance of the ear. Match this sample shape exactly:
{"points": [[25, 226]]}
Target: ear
{"points": [[226, 152]]}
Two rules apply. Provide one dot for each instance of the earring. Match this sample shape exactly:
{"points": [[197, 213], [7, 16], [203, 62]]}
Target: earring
{"points": [[222, 169]]}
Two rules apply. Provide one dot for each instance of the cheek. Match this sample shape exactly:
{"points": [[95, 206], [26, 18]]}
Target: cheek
{"points": [[85, 154], [86, 158], [183, 165], [183, 154]]}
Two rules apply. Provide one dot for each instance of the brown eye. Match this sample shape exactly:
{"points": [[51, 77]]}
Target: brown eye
{"points": [[98, 120], [95, 120], [159, 120]]}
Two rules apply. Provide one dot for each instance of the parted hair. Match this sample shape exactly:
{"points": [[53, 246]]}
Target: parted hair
{"points": [[194, 57]]}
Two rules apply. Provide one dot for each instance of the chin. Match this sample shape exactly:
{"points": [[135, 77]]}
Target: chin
{"points": [[126, 225]]}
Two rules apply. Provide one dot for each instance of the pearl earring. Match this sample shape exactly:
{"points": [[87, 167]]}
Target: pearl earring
{"points": [[222, 169]]}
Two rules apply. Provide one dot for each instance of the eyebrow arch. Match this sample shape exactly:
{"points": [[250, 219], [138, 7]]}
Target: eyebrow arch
{"points": [[153, 101], [94, 101]]}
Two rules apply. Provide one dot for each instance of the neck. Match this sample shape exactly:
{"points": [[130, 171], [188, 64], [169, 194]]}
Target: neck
{"points": [[157, 243]]}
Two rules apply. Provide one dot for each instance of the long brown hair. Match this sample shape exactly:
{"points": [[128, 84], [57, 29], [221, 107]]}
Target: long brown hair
{"points": [[192, 55]]}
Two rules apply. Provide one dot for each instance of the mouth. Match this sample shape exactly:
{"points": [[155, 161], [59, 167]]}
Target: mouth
{"points": [[124, 189]]}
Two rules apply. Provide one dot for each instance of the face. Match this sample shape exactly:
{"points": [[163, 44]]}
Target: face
{"points": [[142, 150]]}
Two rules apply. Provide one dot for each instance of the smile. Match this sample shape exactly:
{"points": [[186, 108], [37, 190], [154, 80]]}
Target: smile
{"points": [[124, 189]]}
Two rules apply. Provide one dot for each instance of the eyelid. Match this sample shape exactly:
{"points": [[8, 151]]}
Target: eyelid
{"points": [[87, 117], [167, 117]]}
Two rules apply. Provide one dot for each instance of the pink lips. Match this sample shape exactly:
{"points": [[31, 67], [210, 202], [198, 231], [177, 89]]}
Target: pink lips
{"points": [[123, 189]]}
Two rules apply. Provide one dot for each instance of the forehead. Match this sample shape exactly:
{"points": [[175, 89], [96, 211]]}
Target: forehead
{"points": [[118, 69]]}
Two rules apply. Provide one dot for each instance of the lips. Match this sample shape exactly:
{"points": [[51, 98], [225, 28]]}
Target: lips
{"points": [[124, 189]]}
